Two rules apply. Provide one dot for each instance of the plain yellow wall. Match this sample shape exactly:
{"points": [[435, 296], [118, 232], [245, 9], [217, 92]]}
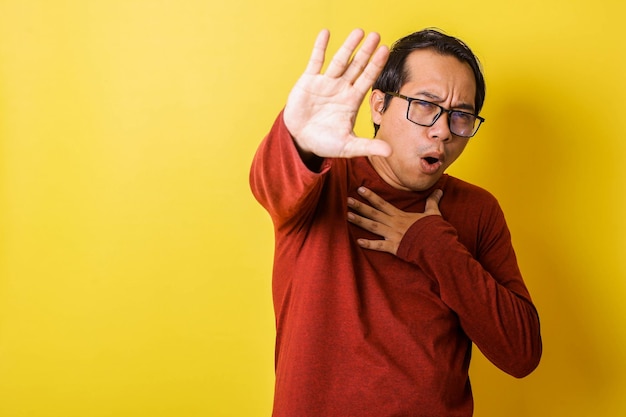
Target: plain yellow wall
{"points": [[135, 264]]}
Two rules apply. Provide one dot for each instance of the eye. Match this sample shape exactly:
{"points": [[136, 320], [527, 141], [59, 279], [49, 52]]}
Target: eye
{"points": [[424, 105], [424, 111], [463, 118]]}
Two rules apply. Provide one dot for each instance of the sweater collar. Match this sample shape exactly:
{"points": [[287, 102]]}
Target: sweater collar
{"points": [[365, 175]]}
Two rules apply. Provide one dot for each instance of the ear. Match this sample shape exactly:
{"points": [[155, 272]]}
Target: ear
{"points": [[377, 104]]}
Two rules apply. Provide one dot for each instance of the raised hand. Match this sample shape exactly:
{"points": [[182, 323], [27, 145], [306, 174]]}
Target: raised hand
{"points": [[322, 107], [386, 220]]}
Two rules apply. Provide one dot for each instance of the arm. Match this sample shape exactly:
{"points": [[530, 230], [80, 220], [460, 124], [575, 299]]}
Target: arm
{"points": [[317, 123], [488, 294]]}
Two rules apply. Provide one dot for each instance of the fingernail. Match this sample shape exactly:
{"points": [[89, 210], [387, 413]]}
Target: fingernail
{"points": [[362, 190]]}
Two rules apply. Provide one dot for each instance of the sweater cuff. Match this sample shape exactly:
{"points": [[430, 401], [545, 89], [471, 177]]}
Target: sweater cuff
{"points": [[430, 235], [294, 155]]}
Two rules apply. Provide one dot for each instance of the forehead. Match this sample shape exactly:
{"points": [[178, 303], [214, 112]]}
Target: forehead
{"points": [[439, 75]]}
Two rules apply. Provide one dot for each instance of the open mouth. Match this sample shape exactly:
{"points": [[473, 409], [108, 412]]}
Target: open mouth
{"points": [[430, 164], [431, 160]]}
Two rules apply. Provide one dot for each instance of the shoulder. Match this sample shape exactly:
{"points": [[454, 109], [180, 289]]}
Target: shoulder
{"points": [[475, 213], [457, 189], [469, 202]]}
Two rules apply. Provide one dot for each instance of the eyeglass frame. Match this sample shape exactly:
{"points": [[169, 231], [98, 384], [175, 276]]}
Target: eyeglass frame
{"points": [[441, 111]]}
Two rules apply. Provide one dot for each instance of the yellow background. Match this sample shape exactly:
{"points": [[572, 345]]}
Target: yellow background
{"points": [[135, 264]]}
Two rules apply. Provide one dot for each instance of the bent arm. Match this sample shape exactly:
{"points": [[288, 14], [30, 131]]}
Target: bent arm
{"points": [[489, 296]]}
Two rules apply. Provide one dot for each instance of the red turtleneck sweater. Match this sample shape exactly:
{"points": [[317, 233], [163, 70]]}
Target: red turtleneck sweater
{"points": [[367, 333]]}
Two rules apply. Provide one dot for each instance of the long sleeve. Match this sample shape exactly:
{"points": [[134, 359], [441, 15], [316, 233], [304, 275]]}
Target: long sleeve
{"points": [[485, 289], [361, 332], [280, 180]]}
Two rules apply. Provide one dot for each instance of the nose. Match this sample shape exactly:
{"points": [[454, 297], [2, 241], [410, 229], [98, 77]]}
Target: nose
{"points": [[440, 130]]}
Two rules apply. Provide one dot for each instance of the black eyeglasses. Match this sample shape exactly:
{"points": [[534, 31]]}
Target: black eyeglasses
{"points": [[425, 113]]}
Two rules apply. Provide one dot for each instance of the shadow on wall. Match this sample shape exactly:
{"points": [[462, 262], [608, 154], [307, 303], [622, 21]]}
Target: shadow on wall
{"points": [[560, 209]]}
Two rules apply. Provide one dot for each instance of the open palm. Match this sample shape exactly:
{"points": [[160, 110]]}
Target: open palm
{"points": [[322, 107]]}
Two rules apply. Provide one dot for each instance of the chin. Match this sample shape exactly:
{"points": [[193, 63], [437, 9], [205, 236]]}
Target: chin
{"points": [[422, 185]]}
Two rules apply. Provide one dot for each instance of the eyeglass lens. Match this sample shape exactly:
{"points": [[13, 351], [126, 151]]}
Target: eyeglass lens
{"points": [[426, 114]]}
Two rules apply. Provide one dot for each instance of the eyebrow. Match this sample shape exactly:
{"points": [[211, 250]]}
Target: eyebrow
{"points": [[437, 99]]}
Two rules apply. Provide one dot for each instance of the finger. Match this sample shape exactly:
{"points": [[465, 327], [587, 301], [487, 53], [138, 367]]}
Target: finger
{"points": [[367, 224], [316, 62], [432, 202], [362, 57], [341, 59], [378, 245], [377, 202], [364, 209], [372, 70], [365, 147]]}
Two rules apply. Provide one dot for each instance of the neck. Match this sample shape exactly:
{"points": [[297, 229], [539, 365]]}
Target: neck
{"points": [[385, 172]]}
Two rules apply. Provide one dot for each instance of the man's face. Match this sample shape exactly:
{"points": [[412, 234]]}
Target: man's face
{"points": [[422, 154]]}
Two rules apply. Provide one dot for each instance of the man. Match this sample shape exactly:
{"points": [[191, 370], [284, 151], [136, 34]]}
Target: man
{"points": [[387, 269]]}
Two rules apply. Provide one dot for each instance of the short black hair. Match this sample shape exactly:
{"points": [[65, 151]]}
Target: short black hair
{"points": [[394, 74]]}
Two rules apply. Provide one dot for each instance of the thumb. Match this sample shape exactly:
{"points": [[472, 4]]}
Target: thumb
{"points": [[366, 147], [432, 203]]}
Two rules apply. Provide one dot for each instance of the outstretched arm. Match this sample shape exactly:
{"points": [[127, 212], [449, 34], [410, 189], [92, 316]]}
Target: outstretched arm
{"points": [[322, 107]]}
